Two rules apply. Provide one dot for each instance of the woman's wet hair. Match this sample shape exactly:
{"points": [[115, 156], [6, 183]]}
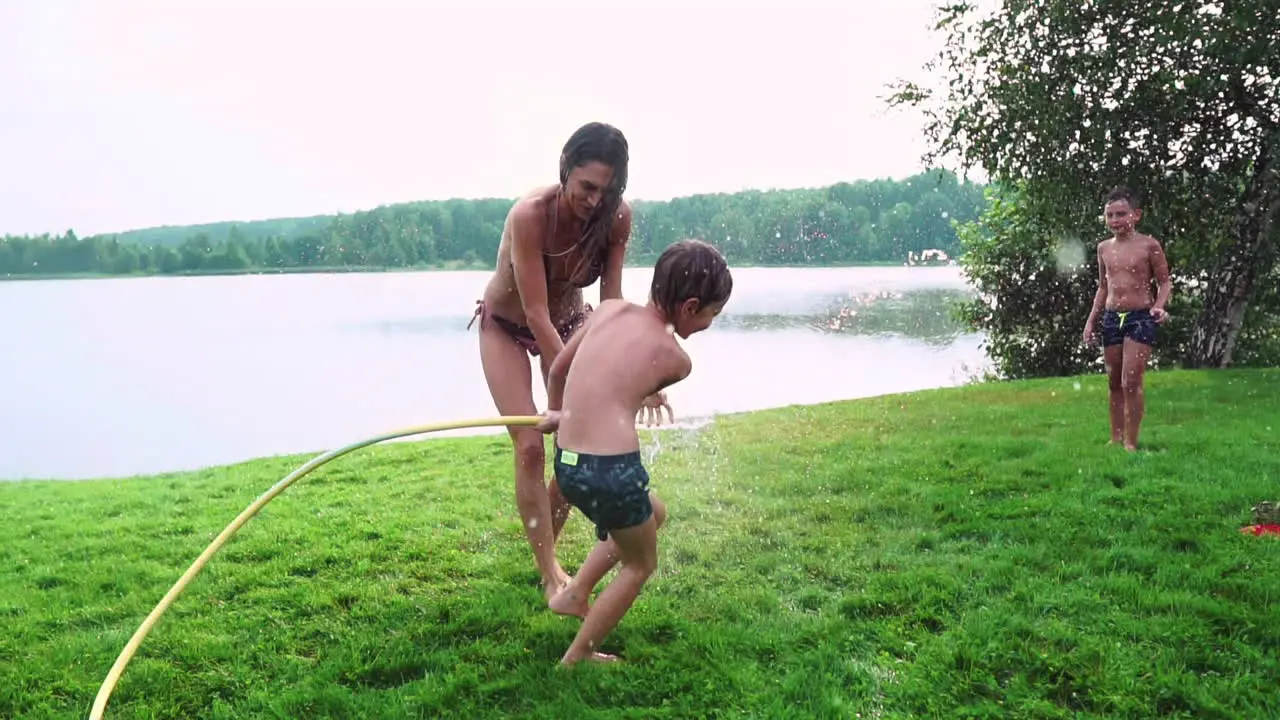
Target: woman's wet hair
{"points": [[602, 143], [690, 269]]}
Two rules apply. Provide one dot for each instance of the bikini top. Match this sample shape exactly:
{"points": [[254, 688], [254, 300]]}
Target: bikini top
{"points": [[595, 269]]}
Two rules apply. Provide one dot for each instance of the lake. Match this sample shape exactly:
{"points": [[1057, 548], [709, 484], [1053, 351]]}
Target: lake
{"points": [[117, 377]]}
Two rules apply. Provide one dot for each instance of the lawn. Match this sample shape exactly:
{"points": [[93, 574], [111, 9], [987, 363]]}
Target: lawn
{"points": [[968, 552]]}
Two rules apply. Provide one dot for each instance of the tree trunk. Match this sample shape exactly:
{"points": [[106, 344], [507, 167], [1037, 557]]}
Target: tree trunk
{"points": [[1231, 284]]}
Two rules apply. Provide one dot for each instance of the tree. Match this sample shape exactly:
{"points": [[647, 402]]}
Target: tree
{"points": [[1064, 100]]}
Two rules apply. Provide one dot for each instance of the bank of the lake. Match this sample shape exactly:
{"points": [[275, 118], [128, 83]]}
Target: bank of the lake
{"points": [[967, 552]]}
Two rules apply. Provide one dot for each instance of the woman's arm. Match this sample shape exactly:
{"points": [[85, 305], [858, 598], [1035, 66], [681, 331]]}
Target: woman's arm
{"points": [[559, 371], [619, 240], [527, 231]]}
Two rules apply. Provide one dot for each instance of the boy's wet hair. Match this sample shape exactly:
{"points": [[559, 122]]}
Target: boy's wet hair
{"points": [[1128, 195], [690, 269]]}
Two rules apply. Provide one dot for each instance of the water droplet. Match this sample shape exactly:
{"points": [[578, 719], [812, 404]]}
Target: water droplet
{"points": [[1076, 385], [533, 522]]}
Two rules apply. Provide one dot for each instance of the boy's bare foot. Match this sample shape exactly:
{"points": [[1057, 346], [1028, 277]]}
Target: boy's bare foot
{"points": [[1130, 448], [550, 590], [569, 602], [593, 657]]}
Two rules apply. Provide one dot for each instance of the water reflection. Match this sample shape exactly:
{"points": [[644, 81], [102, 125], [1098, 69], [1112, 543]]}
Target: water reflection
{"points": [[923, 315]]}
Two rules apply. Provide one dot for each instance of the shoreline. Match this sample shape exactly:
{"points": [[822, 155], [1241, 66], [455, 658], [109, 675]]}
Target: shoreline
{"points": [[690, 424], [459, 267]]}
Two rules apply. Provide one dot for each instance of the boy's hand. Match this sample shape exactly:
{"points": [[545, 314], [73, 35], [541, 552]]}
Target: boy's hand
{"points": [[1089, 337], [651, 410], [1159, 315], [550, 422]]}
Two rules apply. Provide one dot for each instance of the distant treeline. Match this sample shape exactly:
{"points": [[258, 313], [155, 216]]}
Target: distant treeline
{"points": [[847, 223]]}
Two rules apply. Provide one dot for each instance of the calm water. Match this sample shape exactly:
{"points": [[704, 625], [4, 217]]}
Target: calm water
{"points": [[102, 378]]}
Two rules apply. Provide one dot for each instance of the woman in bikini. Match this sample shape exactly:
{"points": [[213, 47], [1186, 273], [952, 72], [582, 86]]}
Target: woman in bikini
{"points": [[556, 241]]}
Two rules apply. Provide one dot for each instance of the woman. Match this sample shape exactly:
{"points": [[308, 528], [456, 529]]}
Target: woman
{"points": [[556, 241]]}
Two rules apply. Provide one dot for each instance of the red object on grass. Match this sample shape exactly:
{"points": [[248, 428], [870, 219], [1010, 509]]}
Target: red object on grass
{"points": [[1261, 529]]}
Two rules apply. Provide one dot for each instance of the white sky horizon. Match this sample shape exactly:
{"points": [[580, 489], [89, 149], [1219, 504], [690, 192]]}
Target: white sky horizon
{"points": [[118, 115]]}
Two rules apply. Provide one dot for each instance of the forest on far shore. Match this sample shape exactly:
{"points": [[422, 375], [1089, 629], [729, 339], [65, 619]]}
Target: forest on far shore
{"points": [[863, 222]]}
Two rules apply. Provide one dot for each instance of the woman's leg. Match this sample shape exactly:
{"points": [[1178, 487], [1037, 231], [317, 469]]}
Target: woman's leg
{"points": [[560, 508], [510, 380]]}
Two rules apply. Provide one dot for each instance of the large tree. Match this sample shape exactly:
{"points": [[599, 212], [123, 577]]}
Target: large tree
{"points": [[1062, 99]]}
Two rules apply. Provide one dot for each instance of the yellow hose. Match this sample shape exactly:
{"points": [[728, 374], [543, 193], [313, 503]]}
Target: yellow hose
{"points": [[113, 677]]}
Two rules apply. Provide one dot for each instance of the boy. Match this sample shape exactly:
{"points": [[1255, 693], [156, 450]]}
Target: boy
{"points": [[611, 370], [1127, 263]]}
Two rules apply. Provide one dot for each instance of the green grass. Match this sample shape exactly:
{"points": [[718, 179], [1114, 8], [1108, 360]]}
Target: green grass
{"points": [[972, 552]]}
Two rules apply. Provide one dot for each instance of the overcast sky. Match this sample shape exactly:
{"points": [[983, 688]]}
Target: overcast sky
{"points": [[121, 114]]}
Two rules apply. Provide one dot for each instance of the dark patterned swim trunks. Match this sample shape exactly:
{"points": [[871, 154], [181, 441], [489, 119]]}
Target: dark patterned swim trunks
{"points": [[1136, 324], [611, 490]]}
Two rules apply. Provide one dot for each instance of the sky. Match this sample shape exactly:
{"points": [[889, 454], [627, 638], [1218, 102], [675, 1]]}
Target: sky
{"points": [[123, 114]]}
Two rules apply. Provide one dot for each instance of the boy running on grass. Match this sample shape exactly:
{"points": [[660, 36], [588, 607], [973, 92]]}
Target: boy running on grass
{"points": [[1127, 263], [611, 370]]}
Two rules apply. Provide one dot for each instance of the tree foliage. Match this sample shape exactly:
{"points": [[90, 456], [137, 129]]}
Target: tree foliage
{"points": [[1025, 287], [866, 221], [1059, 101]]}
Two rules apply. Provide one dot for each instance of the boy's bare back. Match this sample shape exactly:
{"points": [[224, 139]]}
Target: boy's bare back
{"points": [[627, 353], [1128, 267]]}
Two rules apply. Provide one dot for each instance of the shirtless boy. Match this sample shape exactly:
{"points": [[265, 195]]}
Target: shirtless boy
{"points": [[1127, 264], [611, 371]]}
